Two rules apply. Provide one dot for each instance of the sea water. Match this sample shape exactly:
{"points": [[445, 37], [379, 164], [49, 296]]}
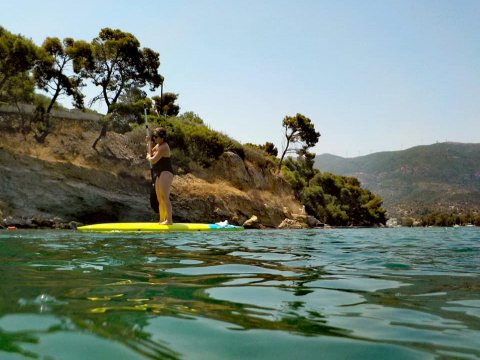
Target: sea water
{"points": [[301, 294]]}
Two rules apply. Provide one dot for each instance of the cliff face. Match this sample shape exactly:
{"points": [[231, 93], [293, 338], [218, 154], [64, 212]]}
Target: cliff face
{"points": [[64, 180]]}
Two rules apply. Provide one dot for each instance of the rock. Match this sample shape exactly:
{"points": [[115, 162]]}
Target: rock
{"points": [[221, 212], [302, 218], [233, 168], [74, 224], [309, 220], [40, 222], [313, 222], [287, 212], [256, 177], [292, 224], [19, 222], [252, 223]]}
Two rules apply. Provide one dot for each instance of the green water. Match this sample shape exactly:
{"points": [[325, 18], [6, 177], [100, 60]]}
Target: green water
{"points": [[310, 294]]}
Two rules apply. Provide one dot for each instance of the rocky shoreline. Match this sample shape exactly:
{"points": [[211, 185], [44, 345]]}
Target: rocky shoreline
{"points": [[14, 223], [37, 223], [64, 183], [291, 221]]}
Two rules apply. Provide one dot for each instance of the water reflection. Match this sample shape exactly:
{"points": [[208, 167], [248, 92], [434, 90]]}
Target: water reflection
{"points": [[167, 295]]}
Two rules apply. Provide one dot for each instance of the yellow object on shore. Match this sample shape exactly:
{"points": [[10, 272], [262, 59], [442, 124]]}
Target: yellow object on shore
{"points": [[155, 227]]}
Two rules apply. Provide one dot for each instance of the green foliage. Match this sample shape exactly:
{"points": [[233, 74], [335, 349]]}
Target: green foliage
{"points": [[132, 110], [294, 175], [181, 160], [17, 57], [336, 215], [40, 123], [165, 104], [333, 199], [203, 145], [192, 117], [129, 110], [315, 201], [436, 218], [119, 123], [351, 204], [125, 117], [256, 155], [17, 54], [235, 147], [117, 62], [17, 89], [269, 148], [53, 71], [299, 172], [198, 143], [132, 95], [298, 130]]}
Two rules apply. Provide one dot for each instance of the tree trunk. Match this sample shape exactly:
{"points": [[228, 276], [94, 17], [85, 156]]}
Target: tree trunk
{"points": [[283, 154], [103, 133]]}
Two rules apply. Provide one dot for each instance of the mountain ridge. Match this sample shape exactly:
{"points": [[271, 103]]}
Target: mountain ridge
{"points": [[437, 177]]}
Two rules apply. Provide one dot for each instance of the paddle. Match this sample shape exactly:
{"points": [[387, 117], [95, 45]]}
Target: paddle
{"points": [[153, 195], [149, 144]]}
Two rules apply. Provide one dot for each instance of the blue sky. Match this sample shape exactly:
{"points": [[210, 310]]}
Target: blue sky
{"points": [[371, 75]]}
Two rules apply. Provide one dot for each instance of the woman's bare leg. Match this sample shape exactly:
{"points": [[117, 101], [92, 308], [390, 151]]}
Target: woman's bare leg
{"points": [[161, 204], [163, 184]]}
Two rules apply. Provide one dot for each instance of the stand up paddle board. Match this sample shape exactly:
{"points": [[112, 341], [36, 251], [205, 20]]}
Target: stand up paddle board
{"points": [[155, 227]]}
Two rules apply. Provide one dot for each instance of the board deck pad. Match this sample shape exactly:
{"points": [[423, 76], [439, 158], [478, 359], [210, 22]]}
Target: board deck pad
{"points": [[156, 227]]}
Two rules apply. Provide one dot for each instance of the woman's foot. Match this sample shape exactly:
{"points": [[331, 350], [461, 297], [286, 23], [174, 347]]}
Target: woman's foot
{"points": [[166, 222]]}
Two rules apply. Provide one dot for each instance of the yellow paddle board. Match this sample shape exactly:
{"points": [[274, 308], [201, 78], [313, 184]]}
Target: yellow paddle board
{"points": [[155, 227]]}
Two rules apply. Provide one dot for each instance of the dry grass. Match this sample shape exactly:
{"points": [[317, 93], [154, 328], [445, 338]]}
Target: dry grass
{"points": [[192, 185]]}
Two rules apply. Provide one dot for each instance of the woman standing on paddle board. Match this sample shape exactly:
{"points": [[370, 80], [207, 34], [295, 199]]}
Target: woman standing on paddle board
{"points": [[162, 171]]}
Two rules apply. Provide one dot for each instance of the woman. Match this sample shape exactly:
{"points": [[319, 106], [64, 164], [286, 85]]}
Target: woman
{"points": [[162, 171]]}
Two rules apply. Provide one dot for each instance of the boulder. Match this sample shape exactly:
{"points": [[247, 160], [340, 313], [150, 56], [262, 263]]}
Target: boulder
{"points": [[232, 167], [252, 223], [287, 212], [292, 224], [313, 222], [309, 220]]}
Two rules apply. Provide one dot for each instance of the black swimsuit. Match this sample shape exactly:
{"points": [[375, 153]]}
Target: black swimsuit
{"points": [[164, 164]]}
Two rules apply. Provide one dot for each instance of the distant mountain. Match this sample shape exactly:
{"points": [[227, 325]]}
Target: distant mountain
{"points": [[442, 176]]}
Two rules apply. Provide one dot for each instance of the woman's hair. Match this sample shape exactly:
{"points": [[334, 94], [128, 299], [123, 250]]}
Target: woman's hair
{"points": [[160, 132]]}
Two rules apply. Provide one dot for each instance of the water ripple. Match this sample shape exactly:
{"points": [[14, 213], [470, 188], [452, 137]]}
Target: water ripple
{"points": [[384, 293]]}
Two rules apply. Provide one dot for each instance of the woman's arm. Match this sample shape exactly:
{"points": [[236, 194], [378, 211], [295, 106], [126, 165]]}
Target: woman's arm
{"points": [[158, 152], [150, 147]]}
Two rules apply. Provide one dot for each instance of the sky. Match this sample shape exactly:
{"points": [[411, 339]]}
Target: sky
{"points": [[371, 75]]}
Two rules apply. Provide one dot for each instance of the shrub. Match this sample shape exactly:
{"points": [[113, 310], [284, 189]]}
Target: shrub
{"points": [[256, 155], [180, 160], [192, 117], [197, 141], [336, 200], [191, 140]]}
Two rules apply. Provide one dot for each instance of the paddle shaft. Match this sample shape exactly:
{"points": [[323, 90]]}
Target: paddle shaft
{"points": [[149, 140]]}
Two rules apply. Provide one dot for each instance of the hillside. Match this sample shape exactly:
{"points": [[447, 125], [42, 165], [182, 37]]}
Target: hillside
{"points": [[442, 176], [64, 180]]}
